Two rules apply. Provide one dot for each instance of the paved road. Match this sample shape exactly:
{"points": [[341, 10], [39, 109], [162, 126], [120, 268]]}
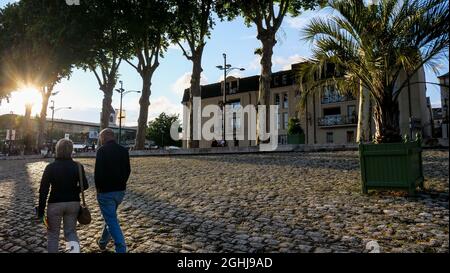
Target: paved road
{"points": [[295, 202]]}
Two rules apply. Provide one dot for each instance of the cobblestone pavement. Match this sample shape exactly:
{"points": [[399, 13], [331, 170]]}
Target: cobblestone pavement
{"points": [[295, 202]]}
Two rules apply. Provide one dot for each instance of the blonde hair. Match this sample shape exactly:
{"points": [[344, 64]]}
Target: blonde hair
{"points": [[64, 149], [106, 135]]}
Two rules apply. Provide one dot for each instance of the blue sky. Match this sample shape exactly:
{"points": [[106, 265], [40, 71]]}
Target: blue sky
{"points": [[233, 38]]}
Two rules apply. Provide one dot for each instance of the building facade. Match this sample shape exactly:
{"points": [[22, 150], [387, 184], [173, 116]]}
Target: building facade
{"points": [[327, 117], [78, 131], [444, 81]]}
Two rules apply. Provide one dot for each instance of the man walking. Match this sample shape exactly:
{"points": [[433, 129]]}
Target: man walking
{"points": [[112, 170]]}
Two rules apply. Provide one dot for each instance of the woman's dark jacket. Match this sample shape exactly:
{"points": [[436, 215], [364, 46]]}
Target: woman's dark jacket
{"points": [[62, 176]]}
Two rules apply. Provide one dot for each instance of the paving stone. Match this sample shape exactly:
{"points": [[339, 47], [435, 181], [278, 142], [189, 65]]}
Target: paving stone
{"points": [[278, 202]]}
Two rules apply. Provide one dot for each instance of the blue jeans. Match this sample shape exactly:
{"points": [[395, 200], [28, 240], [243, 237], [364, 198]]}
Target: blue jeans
{"points": [[109, 202]]}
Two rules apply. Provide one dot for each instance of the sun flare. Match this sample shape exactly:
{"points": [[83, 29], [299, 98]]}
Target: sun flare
{"points": [[23, 96]]}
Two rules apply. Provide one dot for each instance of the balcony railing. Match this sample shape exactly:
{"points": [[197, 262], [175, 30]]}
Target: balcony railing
{"points": [[334, 98], [337, 120]]}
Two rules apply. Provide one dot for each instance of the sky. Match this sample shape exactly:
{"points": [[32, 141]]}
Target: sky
{"points": [[239, 42]]}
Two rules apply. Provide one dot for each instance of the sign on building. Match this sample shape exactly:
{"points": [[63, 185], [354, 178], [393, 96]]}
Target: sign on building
{"points": [[93, 134], [67, 136]]}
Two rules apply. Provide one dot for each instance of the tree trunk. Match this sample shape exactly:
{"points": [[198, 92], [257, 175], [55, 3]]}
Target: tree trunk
{"points": [[363, 116], [386, 119], [195, 91], [268, 42], [26, 130], [106, 104], [46, 93], [144, 103]]}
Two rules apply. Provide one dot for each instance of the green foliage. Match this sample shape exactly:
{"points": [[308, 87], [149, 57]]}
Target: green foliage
{"points": [[268, 12], [294, 127], [372, 46], [159, 130]]}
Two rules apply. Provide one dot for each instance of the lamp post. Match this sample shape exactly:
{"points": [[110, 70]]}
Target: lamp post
{"points": [[227, 68], [122, 93], [53, 116]]}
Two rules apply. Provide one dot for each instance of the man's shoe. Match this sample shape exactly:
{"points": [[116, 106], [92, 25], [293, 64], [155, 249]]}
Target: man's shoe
{"points": [[101, 247]]}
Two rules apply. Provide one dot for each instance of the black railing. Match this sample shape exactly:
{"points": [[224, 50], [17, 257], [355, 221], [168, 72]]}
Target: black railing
{"points": [[337, 120], [334, 98]]}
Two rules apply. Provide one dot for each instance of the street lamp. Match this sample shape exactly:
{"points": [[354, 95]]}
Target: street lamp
{"points": [[227, 68], [53, 115], [122, 93]]}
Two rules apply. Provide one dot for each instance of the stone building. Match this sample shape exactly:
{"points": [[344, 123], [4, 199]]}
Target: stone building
{"points": [[328, 116], [444, 81]]}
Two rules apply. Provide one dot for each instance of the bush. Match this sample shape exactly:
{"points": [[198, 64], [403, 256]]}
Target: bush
{"points": [[294, 127]]}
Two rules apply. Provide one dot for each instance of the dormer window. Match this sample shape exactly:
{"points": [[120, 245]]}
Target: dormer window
{"points": [[284, 80], [275, 81]]}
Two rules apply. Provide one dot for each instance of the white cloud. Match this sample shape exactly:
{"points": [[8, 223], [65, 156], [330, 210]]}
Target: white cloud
{"points": [[255, 64], [285, 63], [174, 46], [163, 104], [235, 74], [184, 82], [301, 21]]}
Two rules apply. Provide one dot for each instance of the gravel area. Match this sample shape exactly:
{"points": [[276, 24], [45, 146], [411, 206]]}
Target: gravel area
{"points": [[286, 202]]}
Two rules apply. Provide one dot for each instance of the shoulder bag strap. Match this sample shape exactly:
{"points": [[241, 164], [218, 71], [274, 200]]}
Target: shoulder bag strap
{"points": [[80, 173]]}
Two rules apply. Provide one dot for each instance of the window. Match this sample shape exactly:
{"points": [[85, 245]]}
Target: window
{"points": [[350, 136], [282, 139], [351, 111], [279, 120], [275, 81], [285, 120], [332, 111], [351, 114], [285, 101], [236, 105], [277, 99], [330, 137], [284, 80]]}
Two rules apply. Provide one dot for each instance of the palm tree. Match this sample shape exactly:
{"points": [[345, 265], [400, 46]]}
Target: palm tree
{"points": [[376, 47]]}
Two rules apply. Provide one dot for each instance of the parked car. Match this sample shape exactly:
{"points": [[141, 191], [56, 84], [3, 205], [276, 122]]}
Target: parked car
{"points": [[172, 148]]}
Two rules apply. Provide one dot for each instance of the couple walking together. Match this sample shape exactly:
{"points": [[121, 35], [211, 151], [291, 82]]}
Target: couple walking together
{"points": [[62, 179]]}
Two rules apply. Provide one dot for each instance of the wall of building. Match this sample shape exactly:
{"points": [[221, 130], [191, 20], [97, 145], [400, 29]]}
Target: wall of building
{"points": [[344, 131]]}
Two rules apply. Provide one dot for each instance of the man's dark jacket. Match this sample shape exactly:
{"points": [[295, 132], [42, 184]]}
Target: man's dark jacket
{"points": [[112, 168]]}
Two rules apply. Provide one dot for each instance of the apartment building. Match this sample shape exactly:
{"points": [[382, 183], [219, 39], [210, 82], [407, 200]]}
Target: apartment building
{"points": [[444, 81], [328, 116]]}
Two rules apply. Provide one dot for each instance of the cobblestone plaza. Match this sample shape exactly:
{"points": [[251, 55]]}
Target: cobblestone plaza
{"points": [[281, 202]]}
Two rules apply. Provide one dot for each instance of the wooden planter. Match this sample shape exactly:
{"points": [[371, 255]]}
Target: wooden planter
{"points": [[391, 166], [296, 139]]}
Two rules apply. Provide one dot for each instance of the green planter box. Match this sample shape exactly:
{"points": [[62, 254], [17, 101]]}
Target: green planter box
{"points": [[296, 139], [391, 166]]}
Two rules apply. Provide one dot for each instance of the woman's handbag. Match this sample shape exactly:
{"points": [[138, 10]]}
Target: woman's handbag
{"points": [[84, 215]]}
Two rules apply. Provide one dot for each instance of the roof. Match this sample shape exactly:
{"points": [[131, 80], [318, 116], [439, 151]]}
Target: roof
{"points": [[247, 84], [85, 123], [75, 122]]}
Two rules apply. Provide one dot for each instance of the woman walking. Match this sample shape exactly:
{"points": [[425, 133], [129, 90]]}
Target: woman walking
{"points": [[62, 179]]}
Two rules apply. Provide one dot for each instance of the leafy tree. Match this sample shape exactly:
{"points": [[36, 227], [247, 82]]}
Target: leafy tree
{"points": [[41, 48], [53, 36], [371, 46], [147, 26], [159, 130], [8, 36], [194, 21], [102, 24], [267, 16]]}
